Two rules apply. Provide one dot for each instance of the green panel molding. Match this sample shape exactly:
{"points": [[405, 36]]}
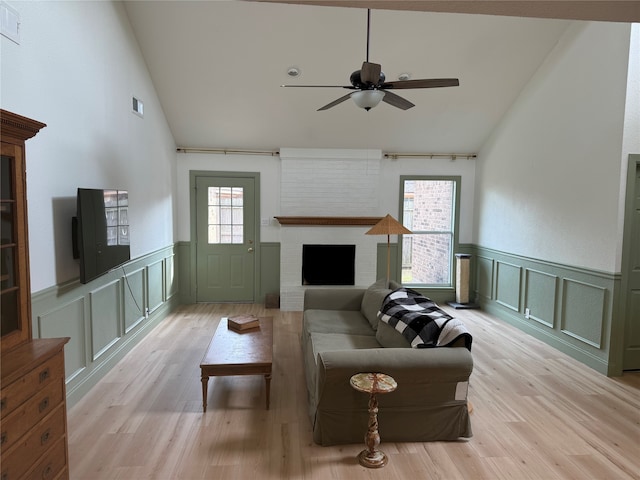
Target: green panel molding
{"points": [[101, 317], [508, 285], [269, 270], [105, 316], [572, 309], [540, 290], [583, 311]]}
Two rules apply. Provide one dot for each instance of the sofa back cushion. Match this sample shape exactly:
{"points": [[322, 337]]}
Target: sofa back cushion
{"points": [[389, 337], [372, 301]]}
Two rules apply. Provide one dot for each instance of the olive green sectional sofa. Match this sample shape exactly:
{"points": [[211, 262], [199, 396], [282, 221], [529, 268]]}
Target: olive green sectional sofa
{"points": [[341, 336]]}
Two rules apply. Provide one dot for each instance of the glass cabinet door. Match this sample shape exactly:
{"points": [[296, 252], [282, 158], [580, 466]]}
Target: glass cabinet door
{"points": [[13, 277]]}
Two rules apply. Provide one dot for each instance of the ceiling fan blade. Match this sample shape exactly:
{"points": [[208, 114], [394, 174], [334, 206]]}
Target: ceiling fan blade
{"points": [[370, 73], [335, 102], [422, 83], [351, 87], [397, 101]]}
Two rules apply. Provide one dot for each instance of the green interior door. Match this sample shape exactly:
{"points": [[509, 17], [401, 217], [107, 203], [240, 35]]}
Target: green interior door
{"points": [[631, 359], [225, 231]]}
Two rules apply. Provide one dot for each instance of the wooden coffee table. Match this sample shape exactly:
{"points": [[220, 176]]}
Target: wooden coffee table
{"points": [[232, 353]]}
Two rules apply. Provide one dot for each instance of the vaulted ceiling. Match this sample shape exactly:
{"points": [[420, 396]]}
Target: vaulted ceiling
{"points": [[218, 65]]}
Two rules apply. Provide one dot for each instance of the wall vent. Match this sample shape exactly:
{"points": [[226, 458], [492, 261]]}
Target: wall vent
{"points": [[137, 106], [9, 22]]}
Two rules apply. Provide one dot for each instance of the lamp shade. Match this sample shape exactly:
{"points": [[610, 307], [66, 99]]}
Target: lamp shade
{"points": [[367, 99], [388, 226]]}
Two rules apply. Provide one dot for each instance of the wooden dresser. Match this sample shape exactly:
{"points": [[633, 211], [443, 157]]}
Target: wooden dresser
{"points": [[33, 413]]}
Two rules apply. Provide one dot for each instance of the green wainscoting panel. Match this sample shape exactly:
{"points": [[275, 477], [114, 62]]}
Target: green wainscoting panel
{"points": [[540, 291], [101, 318], [156, 279], [583, 311], [105, 305], [570, 308], [134, 283], [508, 285], [381, 262], [484, 277], [187, 289], [269, 269], [67, 321], [170, 277]]}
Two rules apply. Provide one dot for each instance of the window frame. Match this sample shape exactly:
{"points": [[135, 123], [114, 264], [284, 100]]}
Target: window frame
{"points": [[455, 225]]}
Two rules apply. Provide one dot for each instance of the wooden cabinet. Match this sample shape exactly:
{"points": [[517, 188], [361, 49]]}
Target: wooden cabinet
{"points": [[33, 415], [33, 411]]}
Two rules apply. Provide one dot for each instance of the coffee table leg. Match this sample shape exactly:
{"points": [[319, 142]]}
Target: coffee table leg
{"points": [[205, 384], [267, 379]]}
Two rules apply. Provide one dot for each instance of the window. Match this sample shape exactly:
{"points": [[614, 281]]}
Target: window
{"points": [[429, 206], [225, 215]]}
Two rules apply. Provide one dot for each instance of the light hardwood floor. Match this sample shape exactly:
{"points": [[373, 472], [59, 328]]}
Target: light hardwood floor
{"points": [[538, 414]]}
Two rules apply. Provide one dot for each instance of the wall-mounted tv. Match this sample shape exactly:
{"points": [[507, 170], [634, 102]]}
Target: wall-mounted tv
{"points": [[100, 231]]}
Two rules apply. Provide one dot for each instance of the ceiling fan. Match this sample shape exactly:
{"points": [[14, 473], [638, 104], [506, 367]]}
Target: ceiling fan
{"points": [[371, 87]]}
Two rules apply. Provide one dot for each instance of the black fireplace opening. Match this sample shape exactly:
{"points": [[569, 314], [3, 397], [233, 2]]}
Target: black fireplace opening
{"points": [[328, 264]]}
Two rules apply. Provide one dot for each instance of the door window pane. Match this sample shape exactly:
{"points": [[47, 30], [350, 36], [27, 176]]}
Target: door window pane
{"points": [[225, 215]]}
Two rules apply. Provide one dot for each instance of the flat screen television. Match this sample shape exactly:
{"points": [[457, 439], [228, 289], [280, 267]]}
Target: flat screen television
{"points": [[100, 231]]}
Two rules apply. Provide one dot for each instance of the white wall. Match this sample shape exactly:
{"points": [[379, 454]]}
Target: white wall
{"points": [[548, 179], [631, 138], [388, 192], [76, 69]]}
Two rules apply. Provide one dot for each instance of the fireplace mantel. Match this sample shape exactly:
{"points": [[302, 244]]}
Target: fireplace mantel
{"points": [[328, 221]]}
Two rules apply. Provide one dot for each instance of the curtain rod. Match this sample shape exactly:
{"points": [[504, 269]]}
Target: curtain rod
{"points": [[452, 156], [275, 153], [228, 151]]}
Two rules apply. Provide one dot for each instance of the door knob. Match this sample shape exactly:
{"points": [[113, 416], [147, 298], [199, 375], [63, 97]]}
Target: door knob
{"points": [[250, 250]]}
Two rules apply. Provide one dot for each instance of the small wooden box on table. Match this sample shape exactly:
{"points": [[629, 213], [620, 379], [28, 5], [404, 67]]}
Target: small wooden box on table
{"points": [[239, 353]]}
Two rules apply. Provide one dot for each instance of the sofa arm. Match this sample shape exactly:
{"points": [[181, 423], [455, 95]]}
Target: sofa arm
{"points": [[429, 404], [333, 298], [424, 376]]}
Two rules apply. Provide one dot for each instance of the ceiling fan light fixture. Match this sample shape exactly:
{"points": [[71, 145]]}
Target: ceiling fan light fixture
{"points": [[367, 99]]}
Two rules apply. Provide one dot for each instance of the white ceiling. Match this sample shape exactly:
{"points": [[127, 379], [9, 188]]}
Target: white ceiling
{"points": [[218, 65]]}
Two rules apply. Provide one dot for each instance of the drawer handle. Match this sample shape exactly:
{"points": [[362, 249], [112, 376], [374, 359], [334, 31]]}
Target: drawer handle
{"points": [[3, 438], [44, 375], [47, 471], [3, 403], [44, 404], [44, 438]]}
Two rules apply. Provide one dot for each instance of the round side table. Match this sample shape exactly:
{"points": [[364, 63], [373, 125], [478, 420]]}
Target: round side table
{"points": [[373, 383]]}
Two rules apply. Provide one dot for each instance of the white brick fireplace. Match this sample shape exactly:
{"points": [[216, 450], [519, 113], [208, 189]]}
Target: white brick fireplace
{"points": [[327, 183]]}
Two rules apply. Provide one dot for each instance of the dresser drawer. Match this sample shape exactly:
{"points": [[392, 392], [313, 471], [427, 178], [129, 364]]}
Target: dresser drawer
{"points": [[18, 422], [50, 466], [16, 393], [34, 445]]}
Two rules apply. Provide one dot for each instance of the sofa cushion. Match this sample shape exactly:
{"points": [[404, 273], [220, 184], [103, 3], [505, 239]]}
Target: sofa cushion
{"points": [[336, 321], [372, 301], [389, 337], [332, 342]]}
